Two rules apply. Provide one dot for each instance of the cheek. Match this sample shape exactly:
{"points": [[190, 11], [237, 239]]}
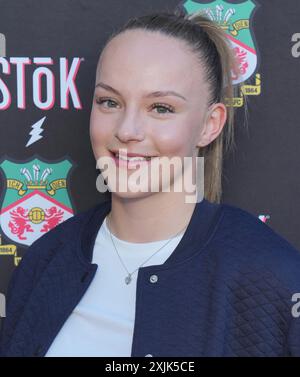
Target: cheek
{"points": [[98, 131], [174, 139]]}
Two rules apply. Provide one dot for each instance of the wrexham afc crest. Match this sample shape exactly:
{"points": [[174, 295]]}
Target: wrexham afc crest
{"points": [[36, 198], [235, 20]]}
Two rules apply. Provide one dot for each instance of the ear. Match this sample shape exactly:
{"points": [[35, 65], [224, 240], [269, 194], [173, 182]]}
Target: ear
{"points": [[213, 124]]}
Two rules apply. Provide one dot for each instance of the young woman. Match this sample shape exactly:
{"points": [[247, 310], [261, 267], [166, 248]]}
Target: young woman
{"points": [[148, 273]]}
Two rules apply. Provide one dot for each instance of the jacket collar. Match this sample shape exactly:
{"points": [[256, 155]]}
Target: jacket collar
{"points": [[204, 220]]}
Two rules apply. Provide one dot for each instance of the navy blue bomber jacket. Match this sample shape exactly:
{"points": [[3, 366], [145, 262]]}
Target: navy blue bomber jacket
{"points": [[226, 290]]}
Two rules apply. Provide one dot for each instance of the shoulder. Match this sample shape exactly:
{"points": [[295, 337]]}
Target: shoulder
{"points": [[41, 251], [254, 245], [43, 248], [34, 262], [260, 270], [66, 231]]}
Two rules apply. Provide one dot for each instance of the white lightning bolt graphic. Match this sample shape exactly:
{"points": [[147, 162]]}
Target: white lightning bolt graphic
{"points": [[36, 132]]}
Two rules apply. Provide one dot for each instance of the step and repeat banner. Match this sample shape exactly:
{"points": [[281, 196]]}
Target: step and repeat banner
{"points": [[48, 57]]}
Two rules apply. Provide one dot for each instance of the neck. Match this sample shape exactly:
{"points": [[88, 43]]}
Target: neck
{"points": [[156, 217]]}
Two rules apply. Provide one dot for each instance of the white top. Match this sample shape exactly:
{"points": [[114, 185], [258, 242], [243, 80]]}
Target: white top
{"points": [[103, 321]]}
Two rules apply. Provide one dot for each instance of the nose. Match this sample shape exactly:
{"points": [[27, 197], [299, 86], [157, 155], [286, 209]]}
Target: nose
{"points": [[130, 128]]}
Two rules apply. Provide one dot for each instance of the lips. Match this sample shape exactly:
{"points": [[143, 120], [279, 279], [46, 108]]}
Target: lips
{"points": [[130, 160], [130, 154]]}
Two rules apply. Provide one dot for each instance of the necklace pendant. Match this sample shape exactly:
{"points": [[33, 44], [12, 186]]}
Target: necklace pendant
{"points": [[128, 279]]}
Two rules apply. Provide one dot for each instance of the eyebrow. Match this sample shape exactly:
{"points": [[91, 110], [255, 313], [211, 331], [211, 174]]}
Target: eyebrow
{"points": [[158, 93]]}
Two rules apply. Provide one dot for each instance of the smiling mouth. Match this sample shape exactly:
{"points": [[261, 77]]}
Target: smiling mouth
{"points": [[134, 158], [131, 156], [130, 162]]}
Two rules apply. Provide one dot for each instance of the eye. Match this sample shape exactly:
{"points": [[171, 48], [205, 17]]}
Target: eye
{"points": [[170, 109], [100, 101], [162, 108]]}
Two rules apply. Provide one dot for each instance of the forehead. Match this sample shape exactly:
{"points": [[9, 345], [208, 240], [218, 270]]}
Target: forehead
{"points": [[149, 59]]}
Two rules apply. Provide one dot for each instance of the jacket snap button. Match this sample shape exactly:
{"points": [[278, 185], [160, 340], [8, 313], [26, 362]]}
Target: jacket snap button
{"points": [[149, 355], [153, 278]]}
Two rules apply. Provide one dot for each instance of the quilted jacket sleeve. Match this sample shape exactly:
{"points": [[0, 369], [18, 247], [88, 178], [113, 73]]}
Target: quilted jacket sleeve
{"points": [[21, 284]]}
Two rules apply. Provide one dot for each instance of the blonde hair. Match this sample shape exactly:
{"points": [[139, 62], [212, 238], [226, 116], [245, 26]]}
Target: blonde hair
{"points": [[211, 45], [214, 152]]}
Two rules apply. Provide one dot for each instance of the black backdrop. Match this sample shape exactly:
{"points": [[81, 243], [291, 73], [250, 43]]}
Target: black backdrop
{"points": [[261, 176]]}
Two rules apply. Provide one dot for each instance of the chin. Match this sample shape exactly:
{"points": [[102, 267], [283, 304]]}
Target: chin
{"points": [[132, 195]]}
